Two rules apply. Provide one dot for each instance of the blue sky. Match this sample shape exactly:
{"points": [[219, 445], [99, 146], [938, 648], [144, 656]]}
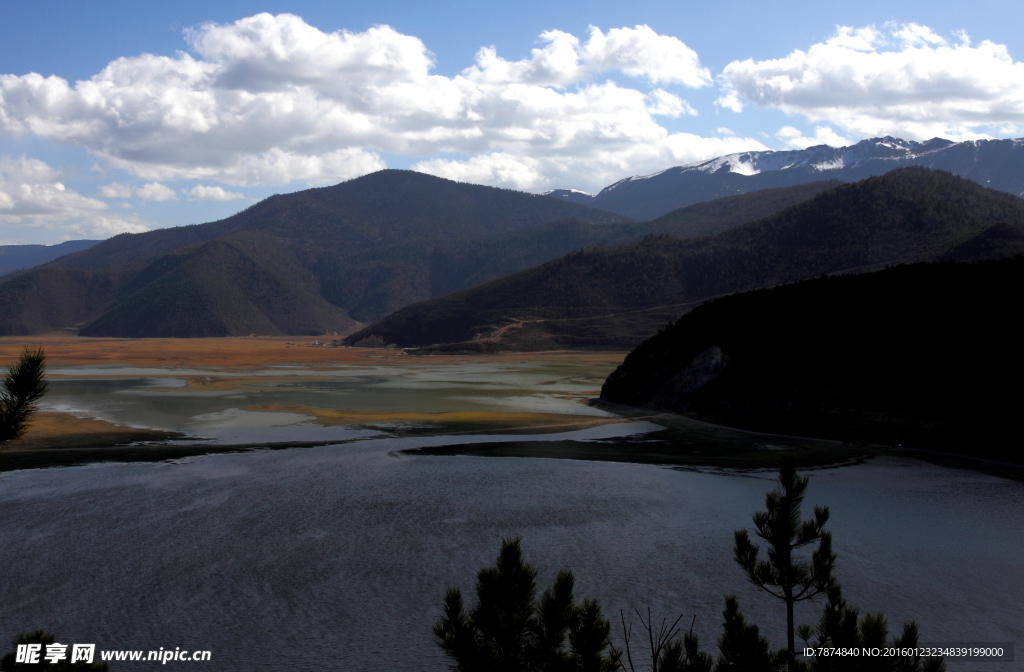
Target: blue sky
{"points": [[239, 100]]}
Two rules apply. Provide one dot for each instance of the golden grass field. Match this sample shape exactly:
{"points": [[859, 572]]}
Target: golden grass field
{"points": [[238, 353], [452, 422]]}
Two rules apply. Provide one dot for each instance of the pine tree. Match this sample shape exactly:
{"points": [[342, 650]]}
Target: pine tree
{"points": [[510, 631], [783, 575], [22, 387], [741, 646], [841, 626]]}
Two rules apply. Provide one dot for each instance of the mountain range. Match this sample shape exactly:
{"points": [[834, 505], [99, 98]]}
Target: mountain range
{"points": [[480, 265], [997, 164], [19, 257], [315, 261], [615, 297], [325, 260]]}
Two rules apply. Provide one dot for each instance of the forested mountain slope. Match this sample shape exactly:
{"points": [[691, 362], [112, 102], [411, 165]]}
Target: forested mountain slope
{"points": [[616, 297], [338, 256], [918, 355]]}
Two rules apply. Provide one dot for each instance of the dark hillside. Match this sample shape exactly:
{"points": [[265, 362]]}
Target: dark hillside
{"points": [[396, 204], [132, 248], [388, 205], [49, 299], [908, 215], [920, 355], [997, 242], [225, 287], [363, 277], [708, 217], [374, 279]]}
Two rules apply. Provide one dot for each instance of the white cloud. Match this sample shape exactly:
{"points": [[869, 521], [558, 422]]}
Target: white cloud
{"points": [[31, 194], [116, 190], [730, 100], [823, 135], [913, 35], [100, 227], [664, 104], [641, 52], [201, 192], [857, 39], [154, 191], [638, 52], [505, 170], [900, 80], [271, 99]]}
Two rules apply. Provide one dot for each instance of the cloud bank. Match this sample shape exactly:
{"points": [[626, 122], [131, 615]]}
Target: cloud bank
{"points": [[31, 194], [900, 80], [271, 99], [202, 192]]}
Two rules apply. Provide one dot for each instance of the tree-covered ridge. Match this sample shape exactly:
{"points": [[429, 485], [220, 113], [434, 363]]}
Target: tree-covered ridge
{"points": [[386, 205], [916, 355], [615, 297], [352, 252]]}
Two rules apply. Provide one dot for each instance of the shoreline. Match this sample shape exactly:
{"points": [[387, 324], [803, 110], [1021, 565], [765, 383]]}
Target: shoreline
{"points": [[59, 439], [684, 443]]}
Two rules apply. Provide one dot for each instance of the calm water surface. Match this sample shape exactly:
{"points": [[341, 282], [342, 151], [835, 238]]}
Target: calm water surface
{"points": [[336, 558]]}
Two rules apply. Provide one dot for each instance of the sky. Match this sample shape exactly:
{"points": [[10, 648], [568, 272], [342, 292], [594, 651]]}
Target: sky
{"points": [[126, 116]]}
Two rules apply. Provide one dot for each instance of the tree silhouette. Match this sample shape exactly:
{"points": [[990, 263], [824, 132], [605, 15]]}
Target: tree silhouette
{"points": [[741, 646], [783, 575], [22, 387], [510, 631], [841, 626]]}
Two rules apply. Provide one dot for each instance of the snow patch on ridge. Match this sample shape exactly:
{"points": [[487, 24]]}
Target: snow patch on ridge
{"points": [[820, 158], [829, 165], [572, 191]]}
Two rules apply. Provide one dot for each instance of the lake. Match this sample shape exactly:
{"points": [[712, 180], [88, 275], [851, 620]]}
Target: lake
{"points": [[337, 557]]}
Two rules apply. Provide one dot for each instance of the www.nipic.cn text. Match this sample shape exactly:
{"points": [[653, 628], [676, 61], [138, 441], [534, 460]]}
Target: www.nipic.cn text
{"points": [[86, 653]]}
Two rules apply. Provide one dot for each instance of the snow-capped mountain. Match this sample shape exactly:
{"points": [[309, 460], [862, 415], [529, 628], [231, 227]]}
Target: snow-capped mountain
{"points": [[997, 164], [825, 157], [571, 195]]}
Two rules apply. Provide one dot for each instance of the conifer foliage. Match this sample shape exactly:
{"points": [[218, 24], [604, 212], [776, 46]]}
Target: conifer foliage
{"points": [[20, 392], [783, 575], [510, 630]]}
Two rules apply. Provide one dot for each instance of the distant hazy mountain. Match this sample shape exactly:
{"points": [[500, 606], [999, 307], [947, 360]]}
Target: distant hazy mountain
{"points": [[18, 257], [616, 297], [997, 164]]}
